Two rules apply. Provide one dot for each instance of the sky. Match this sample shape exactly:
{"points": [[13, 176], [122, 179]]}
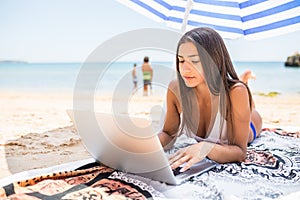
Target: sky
{"points": [[69, 30]]}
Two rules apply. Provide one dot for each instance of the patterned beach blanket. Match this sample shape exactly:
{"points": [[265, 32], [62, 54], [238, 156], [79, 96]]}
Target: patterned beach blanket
{"points": [[271, 171]]}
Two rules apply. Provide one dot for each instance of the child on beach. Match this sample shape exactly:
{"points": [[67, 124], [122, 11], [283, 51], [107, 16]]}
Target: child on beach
{"points": [[209, 103], [134, 76]]}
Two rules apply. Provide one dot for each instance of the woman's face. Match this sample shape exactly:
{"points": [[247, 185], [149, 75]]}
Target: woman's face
{"points": [[190, 67]]}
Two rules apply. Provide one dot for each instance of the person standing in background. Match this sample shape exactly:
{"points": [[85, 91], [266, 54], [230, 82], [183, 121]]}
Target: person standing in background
{"points": [[134, 77], [147, 75]]}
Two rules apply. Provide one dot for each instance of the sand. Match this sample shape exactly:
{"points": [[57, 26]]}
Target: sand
{"points": [[36, 131]]}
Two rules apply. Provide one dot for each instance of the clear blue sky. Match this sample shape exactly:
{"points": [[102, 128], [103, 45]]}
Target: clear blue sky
{"points": [[69, 30]]}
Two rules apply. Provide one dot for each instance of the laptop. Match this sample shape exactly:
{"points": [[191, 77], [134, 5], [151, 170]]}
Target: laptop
{"points": [[129, 144]]}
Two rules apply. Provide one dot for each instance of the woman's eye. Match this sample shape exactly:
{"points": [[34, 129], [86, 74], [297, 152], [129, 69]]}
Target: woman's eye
{"points": [[195, 61], [181, 61]]}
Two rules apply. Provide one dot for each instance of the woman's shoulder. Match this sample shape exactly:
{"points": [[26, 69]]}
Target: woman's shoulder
{"points": [[239, 91], [173, 91], [173, 84], [238, 87]]}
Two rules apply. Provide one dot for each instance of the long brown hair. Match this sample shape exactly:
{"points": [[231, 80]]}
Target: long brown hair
{"points": [[219, 73]]}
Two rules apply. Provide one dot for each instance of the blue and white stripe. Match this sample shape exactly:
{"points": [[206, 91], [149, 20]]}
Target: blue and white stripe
{"points": [[253, 19]]}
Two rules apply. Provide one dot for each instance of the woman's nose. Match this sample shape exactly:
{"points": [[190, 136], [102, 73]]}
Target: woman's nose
{"points": [[186, 68]]}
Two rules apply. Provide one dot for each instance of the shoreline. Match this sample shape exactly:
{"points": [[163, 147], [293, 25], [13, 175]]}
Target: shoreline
{"points": [[37, 132]]}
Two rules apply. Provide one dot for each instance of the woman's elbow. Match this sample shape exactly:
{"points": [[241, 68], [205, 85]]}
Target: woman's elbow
{"points": [[166, 140], [242, 155]]}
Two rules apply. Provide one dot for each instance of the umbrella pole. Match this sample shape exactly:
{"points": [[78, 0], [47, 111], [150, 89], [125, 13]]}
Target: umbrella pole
{"points": [[188, 8]]}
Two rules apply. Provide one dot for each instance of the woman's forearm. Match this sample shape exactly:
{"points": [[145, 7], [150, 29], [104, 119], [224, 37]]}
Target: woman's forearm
{"points": [[227, 153]]}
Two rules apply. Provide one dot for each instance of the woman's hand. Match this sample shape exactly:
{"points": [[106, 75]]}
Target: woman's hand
{"points": [[190, 155]]}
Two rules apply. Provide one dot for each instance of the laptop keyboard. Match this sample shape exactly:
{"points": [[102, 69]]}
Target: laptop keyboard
{"points": [[176, 171]]}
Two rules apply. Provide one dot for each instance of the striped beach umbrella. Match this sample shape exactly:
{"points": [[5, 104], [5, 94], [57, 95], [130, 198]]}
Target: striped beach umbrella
{"points": [[251, 19]]}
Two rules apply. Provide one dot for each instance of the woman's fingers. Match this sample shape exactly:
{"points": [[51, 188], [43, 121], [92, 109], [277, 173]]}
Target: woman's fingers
{"points": [[177, 159], [180, 157], [179, 162], [188, 156], [176, 156], [186, 161], [189, 164]]}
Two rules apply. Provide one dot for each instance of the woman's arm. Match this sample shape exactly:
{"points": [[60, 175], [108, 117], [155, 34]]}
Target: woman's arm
{"points": [[236, 150], [168, 134], [238, 136]]}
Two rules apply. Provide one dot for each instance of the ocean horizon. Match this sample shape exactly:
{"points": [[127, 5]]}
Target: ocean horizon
{"points": [[61, 77]]}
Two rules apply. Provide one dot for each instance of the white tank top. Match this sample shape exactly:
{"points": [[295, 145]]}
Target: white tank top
{"points": [[215, 135]]}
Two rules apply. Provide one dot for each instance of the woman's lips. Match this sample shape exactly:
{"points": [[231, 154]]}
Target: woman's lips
{"points": [[188, 77]]}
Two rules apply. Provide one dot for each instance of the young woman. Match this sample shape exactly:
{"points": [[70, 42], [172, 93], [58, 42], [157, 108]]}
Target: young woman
{"points": [[208, 102]]}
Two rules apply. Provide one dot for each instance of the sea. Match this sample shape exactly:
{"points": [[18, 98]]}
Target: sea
{"points": [[110, 77]]}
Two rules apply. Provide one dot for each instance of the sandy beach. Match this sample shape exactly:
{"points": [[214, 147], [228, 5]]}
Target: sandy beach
{"points": [[36, 131]]}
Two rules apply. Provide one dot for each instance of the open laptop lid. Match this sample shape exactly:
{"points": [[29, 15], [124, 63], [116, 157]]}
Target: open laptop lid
{"points": [[110, 140]]}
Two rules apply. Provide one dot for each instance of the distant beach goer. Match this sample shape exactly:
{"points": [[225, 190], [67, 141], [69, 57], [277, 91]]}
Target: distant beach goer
{"points": [[209, 103], [147, 75], [134, 77]]}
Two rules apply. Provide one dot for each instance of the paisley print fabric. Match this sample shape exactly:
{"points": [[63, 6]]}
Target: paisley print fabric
{"points": [[271, 170]]}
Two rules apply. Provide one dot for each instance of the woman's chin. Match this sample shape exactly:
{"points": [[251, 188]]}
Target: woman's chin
{"points": [[190, 85]]}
